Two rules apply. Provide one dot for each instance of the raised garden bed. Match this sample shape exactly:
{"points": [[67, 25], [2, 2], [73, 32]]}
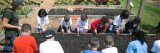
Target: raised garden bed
{"points": [[74, 44], [89, 11]]}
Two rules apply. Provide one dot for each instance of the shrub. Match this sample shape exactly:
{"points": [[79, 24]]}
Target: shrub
{"points": [[25, 10]]}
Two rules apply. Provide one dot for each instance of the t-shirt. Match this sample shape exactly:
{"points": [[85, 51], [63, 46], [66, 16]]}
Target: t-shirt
{"points": [[156, 47], [96, 25], [51, 47], [25, 44], [131, 25], [110, 50], [136, 47], [91, 51], [42, 21], [13, 20], [82, 24], [118, 23], [66, 24]]}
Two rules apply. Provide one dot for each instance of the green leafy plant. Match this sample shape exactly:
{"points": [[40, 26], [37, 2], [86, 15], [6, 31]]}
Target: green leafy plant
{"points": [[109, 3], [25, 10]]}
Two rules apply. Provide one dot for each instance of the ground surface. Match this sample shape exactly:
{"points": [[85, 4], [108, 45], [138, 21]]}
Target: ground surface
{"points": [[74, 44]]}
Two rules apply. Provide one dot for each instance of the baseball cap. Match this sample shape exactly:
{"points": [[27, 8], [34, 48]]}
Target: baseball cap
{"points": [[17, 2], [49, 33]]}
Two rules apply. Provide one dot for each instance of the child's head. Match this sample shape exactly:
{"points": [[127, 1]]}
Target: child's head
{"points": [[42, 13], [124, 14], [109, 41], [137, 20], [66, 18], [17, 4], [105, 19], [26, 28], [93, 43], [84, 17], [139, 35]]}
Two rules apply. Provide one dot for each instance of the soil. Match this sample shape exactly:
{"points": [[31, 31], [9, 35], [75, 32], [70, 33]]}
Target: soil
{"points": [[75, 44]]}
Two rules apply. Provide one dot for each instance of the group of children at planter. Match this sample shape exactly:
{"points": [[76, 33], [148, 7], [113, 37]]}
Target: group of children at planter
{"points": [[21, 41], [120, 23], [137, 45]]}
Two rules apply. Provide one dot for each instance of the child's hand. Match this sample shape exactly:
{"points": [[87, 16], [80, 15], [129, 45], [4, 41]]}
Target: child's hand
{"points": [[95, 31], [62, 32], [69, 31]]}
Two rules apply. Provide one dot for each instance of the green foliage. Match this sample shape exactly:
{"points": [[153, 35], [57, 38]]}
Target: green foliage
{"points": [[109, 3], [150, 16], [35, 3], [4, 4], [61, 2], [24, 11]]}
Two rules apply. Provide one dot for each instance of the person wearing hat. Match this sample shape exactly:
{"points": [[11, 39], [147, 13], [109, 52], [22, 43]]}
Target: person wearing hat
{"points": [[42, 21], [156, 44], [25, 43], [10, 22], [50, 45], [100, 25], [65, 24], [81, 25]]}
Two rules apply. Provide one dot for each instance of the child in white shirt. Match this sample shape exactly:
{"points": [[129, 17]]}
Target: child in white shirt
{"points": [[109, 42], [119, 21], [65, 25], [81, 25], [42, 21]]}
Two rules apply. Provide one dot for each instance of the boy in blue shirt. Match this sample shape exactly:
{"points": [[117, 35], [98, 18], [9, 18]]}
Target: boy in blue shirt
{"points": [[93, 45]]}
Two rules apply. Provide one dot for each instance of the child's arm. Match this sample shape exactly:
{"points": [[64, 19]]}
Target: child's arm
{"points": [[69, 29], [62, 30]]}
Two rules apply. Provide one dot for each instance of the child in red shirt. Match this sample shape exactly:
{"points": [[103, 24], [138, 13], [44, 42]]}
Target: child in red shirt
{"points": [[100, 25], [25, 43]]}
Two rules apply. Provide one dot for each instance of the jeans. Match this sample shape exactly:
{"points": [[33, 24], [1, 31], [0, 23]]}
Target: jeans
{"points": [[65, 29], [8, 47], [38, 30]]}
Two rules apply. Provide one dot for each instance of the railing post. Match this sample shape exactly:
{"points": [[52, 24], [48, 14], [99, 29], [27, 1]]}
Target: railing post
{"points": [[141, 8], [128, 4]]}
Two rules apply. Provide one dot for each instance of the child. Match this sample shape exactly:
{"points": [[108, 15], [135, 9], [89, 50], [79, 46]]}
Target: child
{"points": [[25, 42], [118, 21], [50, 45], [82, 24], [156, 45], [100, 25], [109, 42], [42, 21], [93, 45], [132, 25], [138, 44], [65, 25]]}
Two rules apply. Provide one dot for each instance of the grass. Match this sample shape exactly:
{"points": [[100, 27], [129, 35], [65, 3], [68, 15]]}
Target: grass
{"points": [[150, 16]]}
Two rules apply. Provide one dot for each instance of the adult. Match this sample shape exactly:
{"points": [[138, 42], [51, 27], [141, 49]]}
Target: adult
{"points": [[11, 23]]}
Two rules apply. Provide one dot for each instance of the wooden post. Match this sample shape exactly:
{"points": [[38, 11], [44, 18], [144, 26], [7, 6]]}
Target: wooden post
{"points": [[128, 4], [141, 8]]}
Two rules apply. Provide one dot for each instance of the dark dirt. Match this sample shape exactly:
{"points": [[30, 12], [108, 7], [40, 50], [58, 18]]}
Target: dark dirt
{"points": [[74, 44]]}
